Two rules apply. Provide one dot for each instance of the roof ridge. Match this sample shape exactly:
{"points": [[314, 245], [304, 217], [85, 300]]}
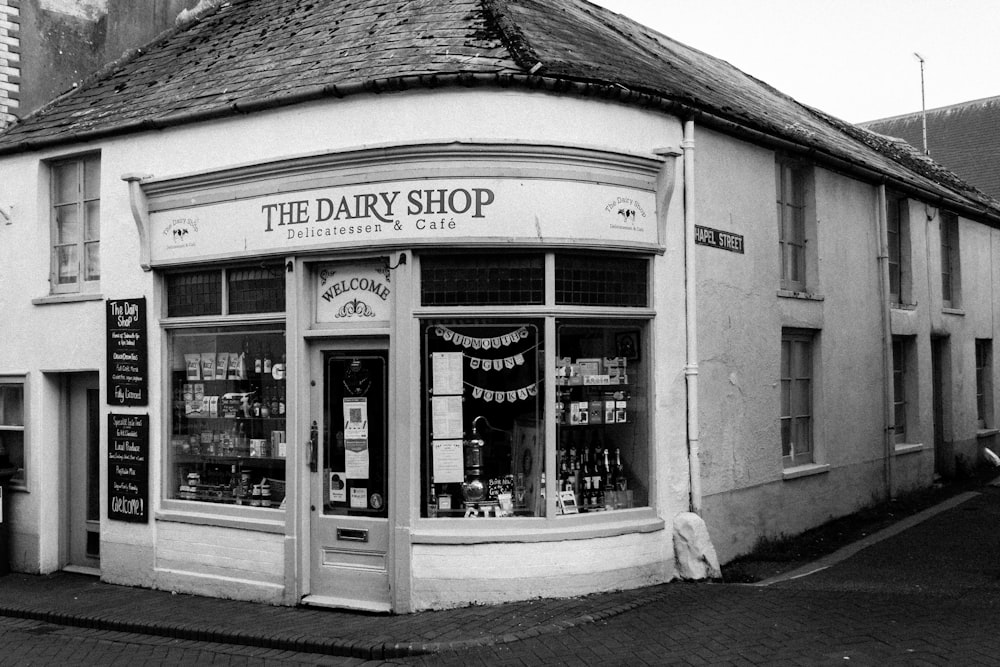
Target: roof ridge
{"points": [[945, 108], [524, 55]]}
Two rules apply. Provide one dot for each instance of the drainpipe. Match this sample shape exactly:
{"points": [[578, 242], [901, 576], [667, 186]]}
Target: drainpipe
{"points": [[888, 393], [691, 320]]}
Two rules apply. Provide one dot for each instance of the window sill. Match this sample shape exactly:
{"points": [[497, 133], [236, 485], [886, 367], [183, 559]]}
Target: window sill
{"points": [[807, 470], [987, 432], [557, 529], [903, 306], [67, 298], [243, 518], [806, 296], [953, 311], [903, 448]]}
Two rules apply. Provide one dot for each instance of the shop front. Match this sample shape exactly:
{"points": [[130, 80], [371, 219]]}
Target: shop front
{"points": [[412, 378]]}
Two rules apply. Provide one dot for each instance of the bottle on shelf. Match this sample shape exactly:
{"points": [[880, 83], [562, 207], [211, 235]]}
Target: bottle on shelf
{"points": [[432, 501], [618, 473]]}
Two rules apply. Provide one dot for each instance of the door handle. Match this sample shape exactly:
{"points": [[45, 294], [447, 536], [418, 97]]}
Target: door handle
{"points": [[313, 445]]}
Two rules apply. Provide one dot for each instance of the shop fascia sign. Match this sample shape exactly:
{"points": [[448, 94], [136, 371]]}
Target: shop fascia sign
{"points": [[354, 293], [417, 211]]}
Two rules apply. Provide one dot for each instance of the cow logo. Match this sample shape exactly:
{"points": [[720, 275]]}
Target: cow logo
{"points": [[180, 232], [627, 214]]}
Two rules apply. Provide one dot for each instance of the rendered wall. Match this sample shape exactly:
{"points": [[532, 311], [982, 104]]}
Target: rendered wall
{"points": [[150, 555]]}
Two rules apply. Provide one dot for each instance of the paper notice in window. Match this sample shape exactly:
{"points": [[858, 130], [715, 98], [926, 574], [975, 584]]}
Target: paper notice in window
{"points": [[446, 368], [448, 464], [446, 417], [359, 498], [356, 455]]}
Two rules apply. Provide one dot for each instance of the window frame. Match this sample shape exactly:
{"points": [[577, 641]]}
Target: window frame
{"points": [[793, 338], [951, 266], [549, 312], [984, 382], [19, 481], [898, 249], [81, 284], [791, 187]]}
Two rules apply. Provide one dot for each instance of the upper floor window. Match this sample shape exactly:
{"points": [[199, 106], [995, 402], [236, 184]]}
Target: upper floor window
{"points": [[950, 266], [76, 224], [898, 236], [792, 181]]}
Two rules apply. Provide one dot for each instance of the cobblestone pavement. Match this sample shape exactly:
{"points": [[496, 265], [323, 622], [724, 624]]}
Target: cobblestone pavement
{"points": [[927, 595]]}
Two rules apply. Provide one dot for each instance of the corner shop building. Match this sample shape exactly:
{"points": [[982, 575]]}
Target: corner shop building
{"points": [[420, 348]]}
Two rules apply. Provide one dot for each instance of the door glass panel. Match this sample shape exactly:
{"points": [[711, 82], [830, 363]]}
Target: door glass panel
{"points": [[355, 434]]}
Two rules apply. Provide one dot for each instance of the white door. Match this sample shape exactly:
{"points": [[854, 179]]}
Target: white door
{"points": [[349, 561], [83, 506]]}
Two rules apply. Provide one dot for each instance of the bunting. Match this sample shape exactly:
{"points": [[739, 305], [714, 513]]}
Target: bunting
{"points": [[511, 396], [489, 343]]}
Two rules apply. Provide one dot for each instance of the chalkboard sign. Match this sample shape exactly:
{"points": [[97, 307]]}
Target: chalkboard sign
{"points": [[128, 467], [128, 358]]}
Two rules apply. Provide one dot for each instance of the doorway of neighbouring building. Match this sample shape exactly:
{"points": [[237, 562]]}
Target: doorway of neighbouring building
{"points": [[82, 501], [939, 352]]}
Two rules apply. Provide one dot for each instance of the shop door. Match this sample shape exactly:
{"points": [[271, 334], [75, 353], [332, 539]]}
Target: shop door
{"points": [[83, 529], [349, 470]]}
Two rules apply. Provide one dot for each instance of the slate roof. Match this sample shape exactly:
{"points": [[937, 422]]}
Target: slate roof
{"points": [[965, 137], [249, 55]]}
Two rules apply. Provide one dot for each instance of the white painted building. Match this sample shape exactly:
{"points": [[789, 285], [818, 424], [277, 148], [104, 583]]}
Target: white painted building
{"points": [[289, 326]]}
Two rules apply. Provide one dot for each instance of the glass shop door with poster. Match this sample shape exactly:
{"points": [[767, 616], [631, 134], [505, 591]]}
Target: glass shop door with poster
{"points": [[349, 471]]}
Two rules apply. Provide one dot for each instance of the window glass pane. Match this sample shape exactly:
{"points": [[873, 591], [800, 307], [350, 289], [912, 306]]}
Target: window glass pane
{"points": [[65, 182], [228, 441], [479, 280], [601, 280], [68, 224], [92, 261], [484, 446], [92, 178], [12, 447], [92, 225], [786, 437], [11, 405], [257, 290], [67, 265], [602, 414], [194, 293]]}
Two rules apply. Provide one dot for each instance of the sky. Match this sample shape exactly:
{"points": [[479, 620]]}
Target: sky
{"points": [[853, 59]]}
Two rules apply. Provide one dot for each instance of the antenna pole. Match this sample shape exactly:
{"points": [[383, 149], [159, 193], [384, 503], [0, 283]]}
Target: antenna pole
{"points": [[923, 104]]}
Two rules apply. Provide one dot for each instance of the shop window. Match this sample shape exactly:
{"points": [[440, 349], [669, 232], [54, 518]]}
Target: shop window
{"points": [[796, 397], [483, 418], [229, 291], [601, 416], [482, 280], [228, 437], [898, 237], [600, 280], [950, 265], [12, 454], [984, 382], [76, 224]]}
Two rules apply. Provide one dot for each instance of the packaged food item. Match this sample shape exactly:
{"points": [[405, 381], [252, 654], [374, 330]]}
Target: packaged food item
{"points": [[192, 365], [221, 365], [208, 365]]}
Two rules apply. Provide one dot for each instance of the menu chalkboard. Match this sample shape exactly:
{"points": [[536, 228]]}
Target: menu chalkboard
{"points": [[128, 467], [128, 358]]}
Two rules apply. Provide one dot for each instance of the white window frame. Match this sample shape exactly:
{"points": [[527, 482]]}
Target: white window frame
{"points": [[898, 238], [798, 374], [984, 382], [790, 187], [81, 202], [951, 268]]}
